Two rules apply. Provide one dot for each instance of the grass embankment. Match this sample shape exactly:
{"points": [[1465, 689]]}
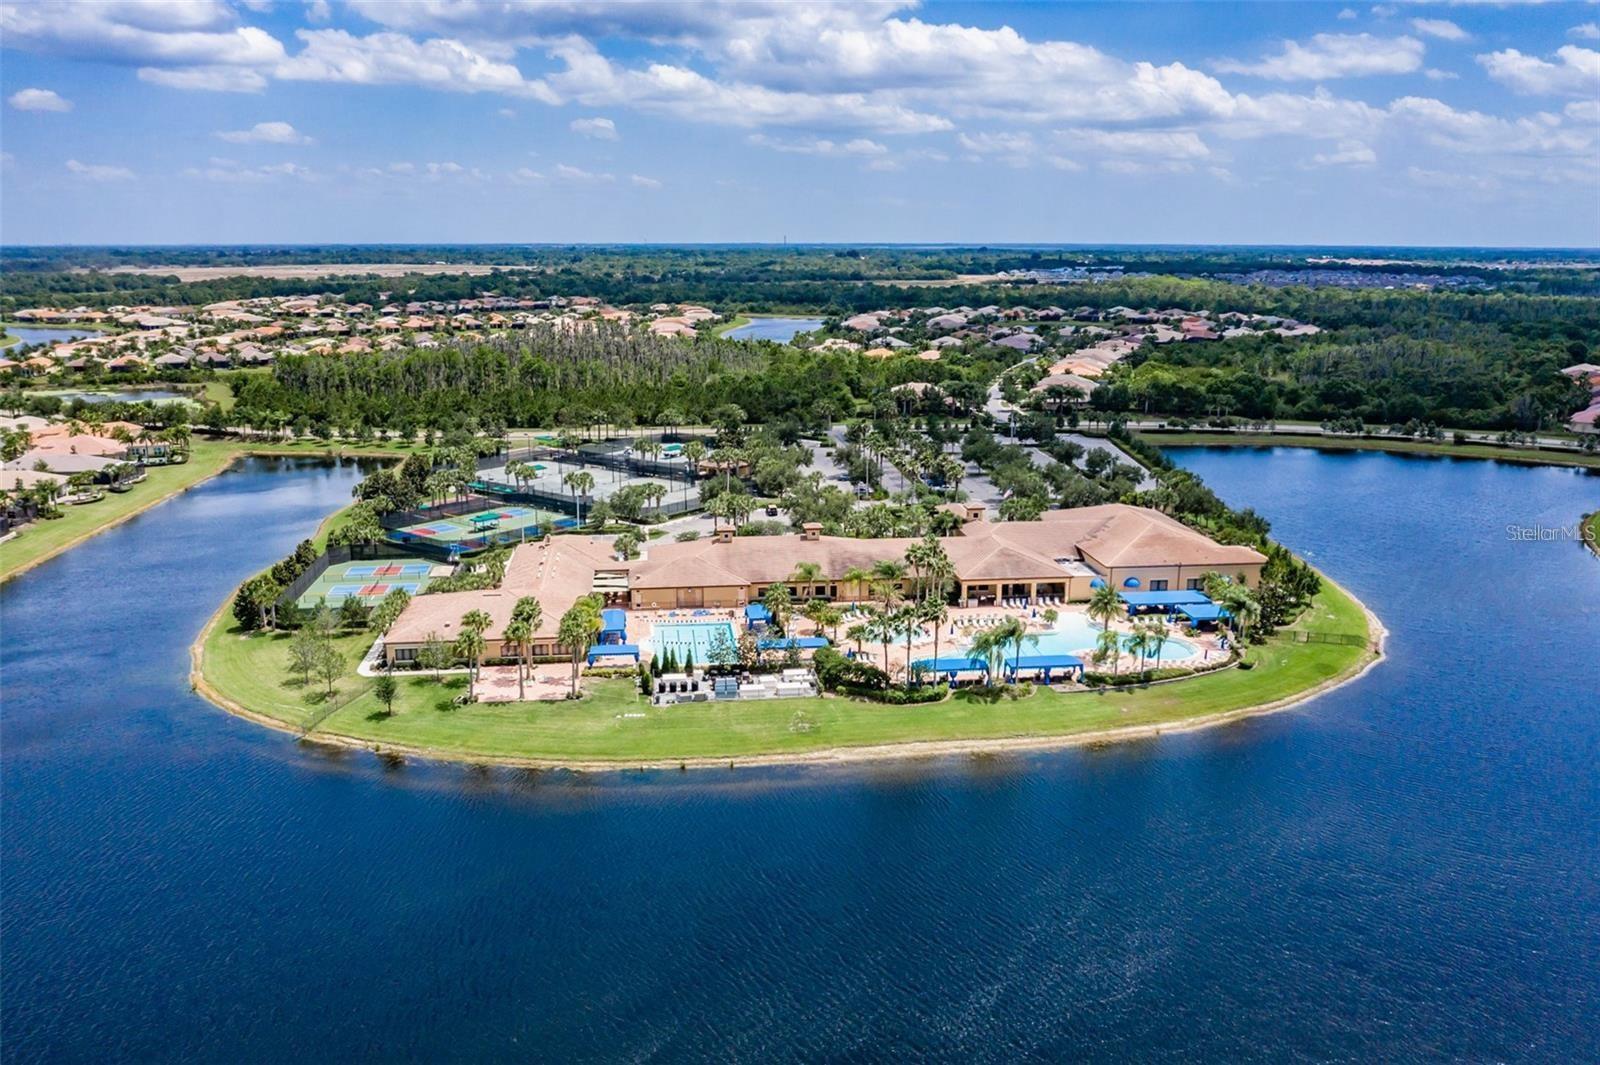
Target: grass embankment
{"points": [[1591, 527], [1342, 443], [731, 324], [46, 538], [612, 725]]}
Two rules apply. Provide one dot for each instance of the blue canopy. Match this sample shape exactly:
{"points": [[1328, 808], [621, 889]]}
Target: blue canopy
{"points": [[1097, 583], [1131, 582], [1203, 612], [606, 650], [1176, 597], [1044, 662], [613, 620], [804, 643], [951, 665], [757, 612]]}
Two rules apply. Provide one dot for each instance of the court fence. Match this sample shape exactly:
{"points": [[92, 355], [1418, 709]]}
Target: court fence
{"points": [[336, 555]]}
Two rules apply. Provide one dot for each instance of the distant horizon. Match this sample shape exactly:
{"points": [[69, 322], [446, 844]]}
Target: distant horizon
{"points": [[902, 245]]}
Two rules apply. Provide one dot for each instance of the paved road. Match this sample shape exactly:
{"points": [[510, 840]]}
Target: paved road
{"points": [[1001, 411]]}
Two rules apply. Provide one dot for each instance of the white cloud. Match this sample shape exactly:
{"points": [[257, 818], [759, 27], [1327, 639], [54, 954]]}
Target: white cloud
{"points": [[38, 100], [1577, 72], [99, 171], [395, 59], [1171, 144], [1583, 111], [265, 133], [997, 142], [1333, 55], [1348, 153], [1542, 135], [1434, 74], [1451, 179], [594, 80], [206, 79], [1346, 14], [1587, 31], [818, 145], [506, 112], [167, 36], [600, 129], [1442, 28], [640, 181], [233, 172], [579, 175]]}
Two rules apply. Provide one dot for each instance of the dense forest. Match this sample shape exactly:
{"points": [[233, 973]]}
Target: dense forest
{"points": [[600, 375]]}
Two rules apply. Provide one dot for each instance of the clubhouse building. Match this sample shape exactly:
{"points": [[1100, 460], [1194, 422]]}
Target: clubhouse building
{"points": [[1063, 557]]}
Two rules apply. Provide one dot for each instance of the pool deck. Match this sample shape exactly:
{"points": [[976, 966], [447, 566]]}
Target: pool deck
{"points": [[966, 622]]}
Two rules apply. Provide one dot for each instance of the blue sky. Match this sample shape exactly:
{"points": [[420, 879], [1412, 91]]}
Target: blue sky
{"points": [[218, 121]]}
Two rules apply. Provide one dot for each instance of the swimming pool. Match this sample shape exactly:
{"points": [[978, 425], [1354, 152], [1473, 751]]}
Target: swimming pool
{"points": [[690, 637], [1075, 634]]}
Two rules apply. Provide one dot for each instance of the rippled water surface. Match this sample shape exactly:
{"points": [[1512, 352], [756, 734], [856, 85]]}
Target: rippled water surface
{"points": [[1405, 868]]}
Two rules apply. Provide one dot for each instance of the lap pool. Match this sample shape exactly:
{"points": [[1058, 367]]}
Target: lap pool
{"points": [[684, 638]]}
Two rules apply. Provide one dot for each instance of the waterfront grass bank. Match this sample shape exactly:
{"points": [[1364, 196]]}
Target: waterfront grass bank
{"points": [[613, 727], [44, 539]]}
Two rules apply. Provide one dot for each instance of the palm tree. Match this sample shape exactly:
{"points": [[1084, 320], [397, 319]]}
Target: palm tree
{"points": [[1109, 645], [723, 508], [1157, 631], [1139, 642], [470, 644], [1105, 606], [907, 618], [858, 633], [527, 609], [579, 482], [857, 577], [518, 632], [693, 452], [576, 631], [805, 576], [936, 612], [990, 645], [887, 574]]}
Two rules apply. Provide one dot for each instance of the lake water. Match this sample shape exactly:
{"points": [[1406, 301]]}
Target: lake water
{"points": [[1403, 869], [37, 335], [782, 330]]}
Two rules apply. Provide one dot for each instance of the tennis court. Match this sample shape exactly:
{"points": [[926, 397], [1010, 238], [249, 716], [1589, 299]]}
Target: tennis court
{"points": [[369, 581], [508, 524]]}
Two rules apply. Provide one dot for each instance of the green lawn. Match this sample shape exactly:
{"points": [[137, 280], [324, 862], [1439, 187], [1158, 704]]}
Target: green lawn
{"points": [[1592, 527], [250, 671], [41, 539], [1341, 443]]}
